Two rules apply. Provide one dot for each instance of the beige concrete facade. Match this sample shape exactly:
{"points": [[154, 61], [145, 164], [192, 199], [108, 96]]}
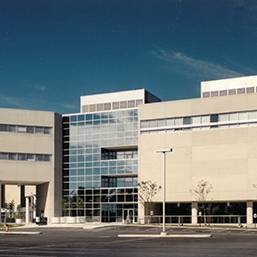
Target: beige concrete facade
{"points": [[225, 157], [46, 175]]}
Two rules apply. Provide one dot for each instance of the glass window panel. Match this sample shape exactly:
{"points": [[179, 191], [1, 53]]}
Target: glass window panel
{"points": [[22, 129], [170, 122], [22, 157], [115, 105], [153, 123], [107, 106], [214, 93], [99, 107], [241, 90], [161, 123], [30, 129], [4, 156], [252, 115], [214, 118], [250, 90], [178, 121], [144, 124], [187, 120], [92, 107], [196, 120], [131, 103], [232, 91], [233, 116], [205, 119], [73, 118], [3, 127], [12, 156], [224, 117], [30, 157], [206, 94], [223, 92], [243, 115], [139, 101], [123, 104], [39, 130]]}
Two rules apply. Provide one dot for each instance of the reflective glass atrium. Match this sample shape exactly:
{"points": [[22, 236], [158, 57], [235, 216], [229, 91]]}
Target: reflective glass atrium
{"points": [[100, 165]]}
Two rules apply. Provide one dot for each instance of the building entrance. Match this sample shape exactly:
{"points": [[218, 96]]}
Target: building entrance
{"points": [[128, 216]]}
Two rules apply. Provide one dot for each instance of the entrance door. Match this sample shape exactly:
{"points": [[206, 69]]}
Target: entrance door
{"points": [[128, 216]]}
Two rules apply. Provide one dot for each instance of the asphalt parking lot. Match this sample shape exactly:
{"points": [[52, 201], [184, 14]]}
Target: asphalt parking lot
{"points": [[104, 242]]}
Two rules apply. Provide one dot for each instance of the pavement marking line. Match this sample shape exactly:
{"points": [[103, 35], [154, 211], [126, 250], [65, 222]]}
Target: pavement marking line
{"points": [[167, 236], [20, 233]]}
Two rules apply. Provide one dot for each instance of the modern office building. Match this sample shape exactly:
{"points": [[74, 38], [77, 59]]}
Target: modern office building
{"points": [[31, 161], [213, 140], [100, 147], [86, 166]]}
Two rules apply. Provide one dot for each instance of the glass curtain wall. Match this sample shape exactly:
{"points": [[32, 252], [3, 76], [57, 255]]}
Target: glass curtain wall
{"points": [[100, 165]]}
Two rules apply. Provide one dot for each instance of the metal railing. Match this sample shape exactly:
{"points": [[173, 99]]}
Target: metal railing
{"points": [[157, 219], [203, 219]]}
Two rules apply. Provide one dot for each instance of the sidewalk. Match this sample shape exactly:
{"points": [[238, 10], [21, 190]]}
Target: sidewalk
{"points": [[92, 226]]}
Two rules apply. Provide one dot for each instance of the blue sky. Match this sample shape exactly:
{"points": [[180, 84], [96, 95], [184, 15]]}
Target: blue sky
{"points": [[53, 51]]}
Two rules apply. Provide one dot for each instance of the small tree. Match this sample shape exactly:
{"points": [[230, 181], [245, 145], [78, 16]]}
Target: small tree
{"points": [[200, 193], [146, 192]]}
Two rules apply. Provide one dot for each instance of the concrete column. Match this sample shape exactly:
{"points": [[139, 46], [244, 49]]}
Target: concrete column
{"points": [[141, 214], [27, 211], [194, 211], [249, 213], [0, 203], [34, 207]]}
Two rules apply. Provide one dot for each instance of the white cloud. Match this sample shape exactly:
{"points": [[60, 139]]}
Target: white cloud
{"points": [[189, 65]]}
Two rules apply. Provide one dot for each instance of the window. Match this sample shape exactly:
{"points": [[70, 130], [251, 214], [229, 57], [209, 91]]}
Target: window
{"points": [[100, 107], [233, 116], [3, 127], [22, 157], [249, 90], [252, 115], [21, 129], [123, 104], [92, 107], [206, 94], [139, 101], [162, 123], [223, 92], [243, 116], [144, 124], [115, 105], [214, 93], [241, 90], [232, 91], [3, 156], [107, 106], [196, 120], [30, 130], [214, 118], [12, 128], [187, 120], [224, 117], [85, 108], [39, 130], [170, 122], [178, 121], [47, 130], [131, 103], [205, 119]]}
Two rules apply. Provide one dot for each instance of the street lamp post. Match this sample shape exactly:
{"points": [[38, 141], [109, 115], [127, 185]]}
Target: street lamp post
{"points": [[164, 151]]}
